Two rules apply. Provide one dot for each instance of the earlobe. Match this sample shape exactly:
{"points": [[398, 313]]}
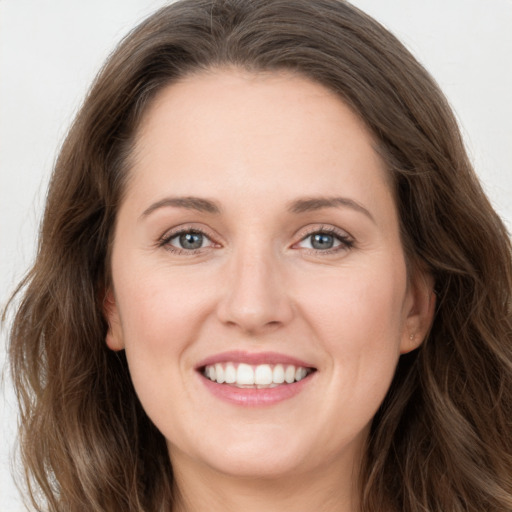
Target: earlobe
{"points": [[114, 337], [420, 310]]}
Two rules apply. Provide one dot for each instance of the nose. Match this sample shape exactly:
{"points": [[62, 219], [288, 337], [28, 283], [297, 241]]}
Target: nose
{"points": [[256, 299]]}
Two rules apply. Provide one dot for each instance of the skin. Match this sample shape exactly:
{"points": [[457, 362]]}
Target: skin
{"points": [[253, 144]]}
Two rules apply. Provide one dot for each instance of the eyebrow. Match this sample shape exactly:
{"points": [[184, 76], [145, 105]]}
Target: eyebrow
{"points": [[311, 204], [297, 206], [190, 203]]}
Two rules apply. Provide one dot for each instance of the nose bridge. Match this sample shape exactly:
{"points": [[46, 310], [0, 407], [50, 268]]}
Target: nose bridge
{"points": [[256, 295]]}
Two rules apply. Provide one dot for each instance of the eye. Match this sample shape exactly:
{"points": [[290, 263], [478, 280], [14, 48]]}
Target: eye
{"points": [[189, 240], [326, 240]]}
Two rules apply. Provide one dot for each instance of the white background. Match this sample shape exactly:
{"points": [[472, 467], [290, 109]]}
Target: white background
{"points": [[50, 51]]}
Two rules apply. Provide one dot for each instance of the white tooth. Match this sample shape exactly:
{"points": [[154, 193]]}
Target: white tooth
{"points": [[300, 373], [219, 371], [230, 374], [210, 371], [278, 374], [289, 374], [263, 374], [244, 374]]}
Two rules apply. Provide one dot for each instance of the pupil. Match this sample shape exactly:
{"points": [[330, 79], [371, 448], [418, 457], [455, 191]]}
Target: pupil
{"points": [[322, 241], [191, 240]]}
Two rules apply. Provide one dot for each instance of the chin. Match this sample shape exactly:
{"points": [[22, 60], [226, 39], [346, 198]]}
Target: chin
{"points": [[260, 467], [261, 455]]}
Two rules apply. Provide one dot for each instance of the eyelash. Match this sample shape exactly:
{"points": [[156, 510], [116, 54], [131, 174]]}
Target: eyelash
{"points": [[165, 241], [346, 241]]}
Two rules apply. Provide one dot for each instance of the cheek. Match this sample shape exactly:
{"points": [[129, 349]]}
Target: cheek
{"points": [[160, 321], [356, 301], [159, 300], [160, 317], [358, 317], [358, 322]]}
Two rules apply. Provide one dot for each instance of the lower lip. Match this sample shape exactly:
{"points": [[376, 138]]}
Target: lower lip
{"points": [[253, 397]]}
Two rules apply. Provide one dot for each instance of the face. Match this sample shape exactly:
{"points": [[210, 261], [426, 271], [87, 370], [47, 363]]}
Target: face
{"points": [[259, 284]]}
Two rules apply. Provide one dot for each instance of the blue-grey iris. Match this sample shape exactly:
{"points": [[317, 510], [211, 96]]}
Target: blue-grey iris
{"points": [[322, 241], [191, 240]]}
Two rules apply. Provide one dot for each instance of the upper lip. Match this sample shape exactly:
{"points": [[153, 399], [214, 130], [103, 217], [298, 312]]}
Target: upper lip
{"points": [[253, 358]]}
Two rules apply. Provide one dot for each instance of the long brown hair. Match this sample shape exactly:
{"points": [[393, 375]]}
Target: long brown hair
{"points": [[442, 439]]}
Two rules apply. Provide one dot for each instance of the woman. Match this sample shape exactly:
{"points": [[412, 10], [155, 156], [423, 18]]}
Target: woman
{"points": [[267, 279]]}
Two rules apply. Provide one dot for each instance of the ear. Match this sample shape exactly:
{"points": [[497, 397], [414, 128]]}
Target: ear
{"points": [[419, 311], [114, 337]]}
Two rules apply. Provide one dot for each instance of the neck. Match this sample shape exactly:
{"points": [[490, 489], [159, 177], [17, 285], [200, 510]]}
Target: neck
{"points": [[332, 488]]}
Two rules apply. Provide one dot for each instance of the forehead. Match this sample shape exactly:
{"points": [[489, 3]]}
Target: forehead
{"points": [[238, 91], [273, 129]]}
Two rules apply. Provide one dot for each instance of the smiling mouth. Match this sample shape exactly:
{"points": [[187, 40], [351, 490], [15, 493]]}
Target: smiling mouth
{"points": [[242, 375]]}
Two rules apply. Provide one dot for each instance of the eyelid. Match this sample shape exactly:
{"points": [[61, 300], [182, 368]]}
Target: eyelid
{"points": [[347, 240], [323, 228], [170, 234]]}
